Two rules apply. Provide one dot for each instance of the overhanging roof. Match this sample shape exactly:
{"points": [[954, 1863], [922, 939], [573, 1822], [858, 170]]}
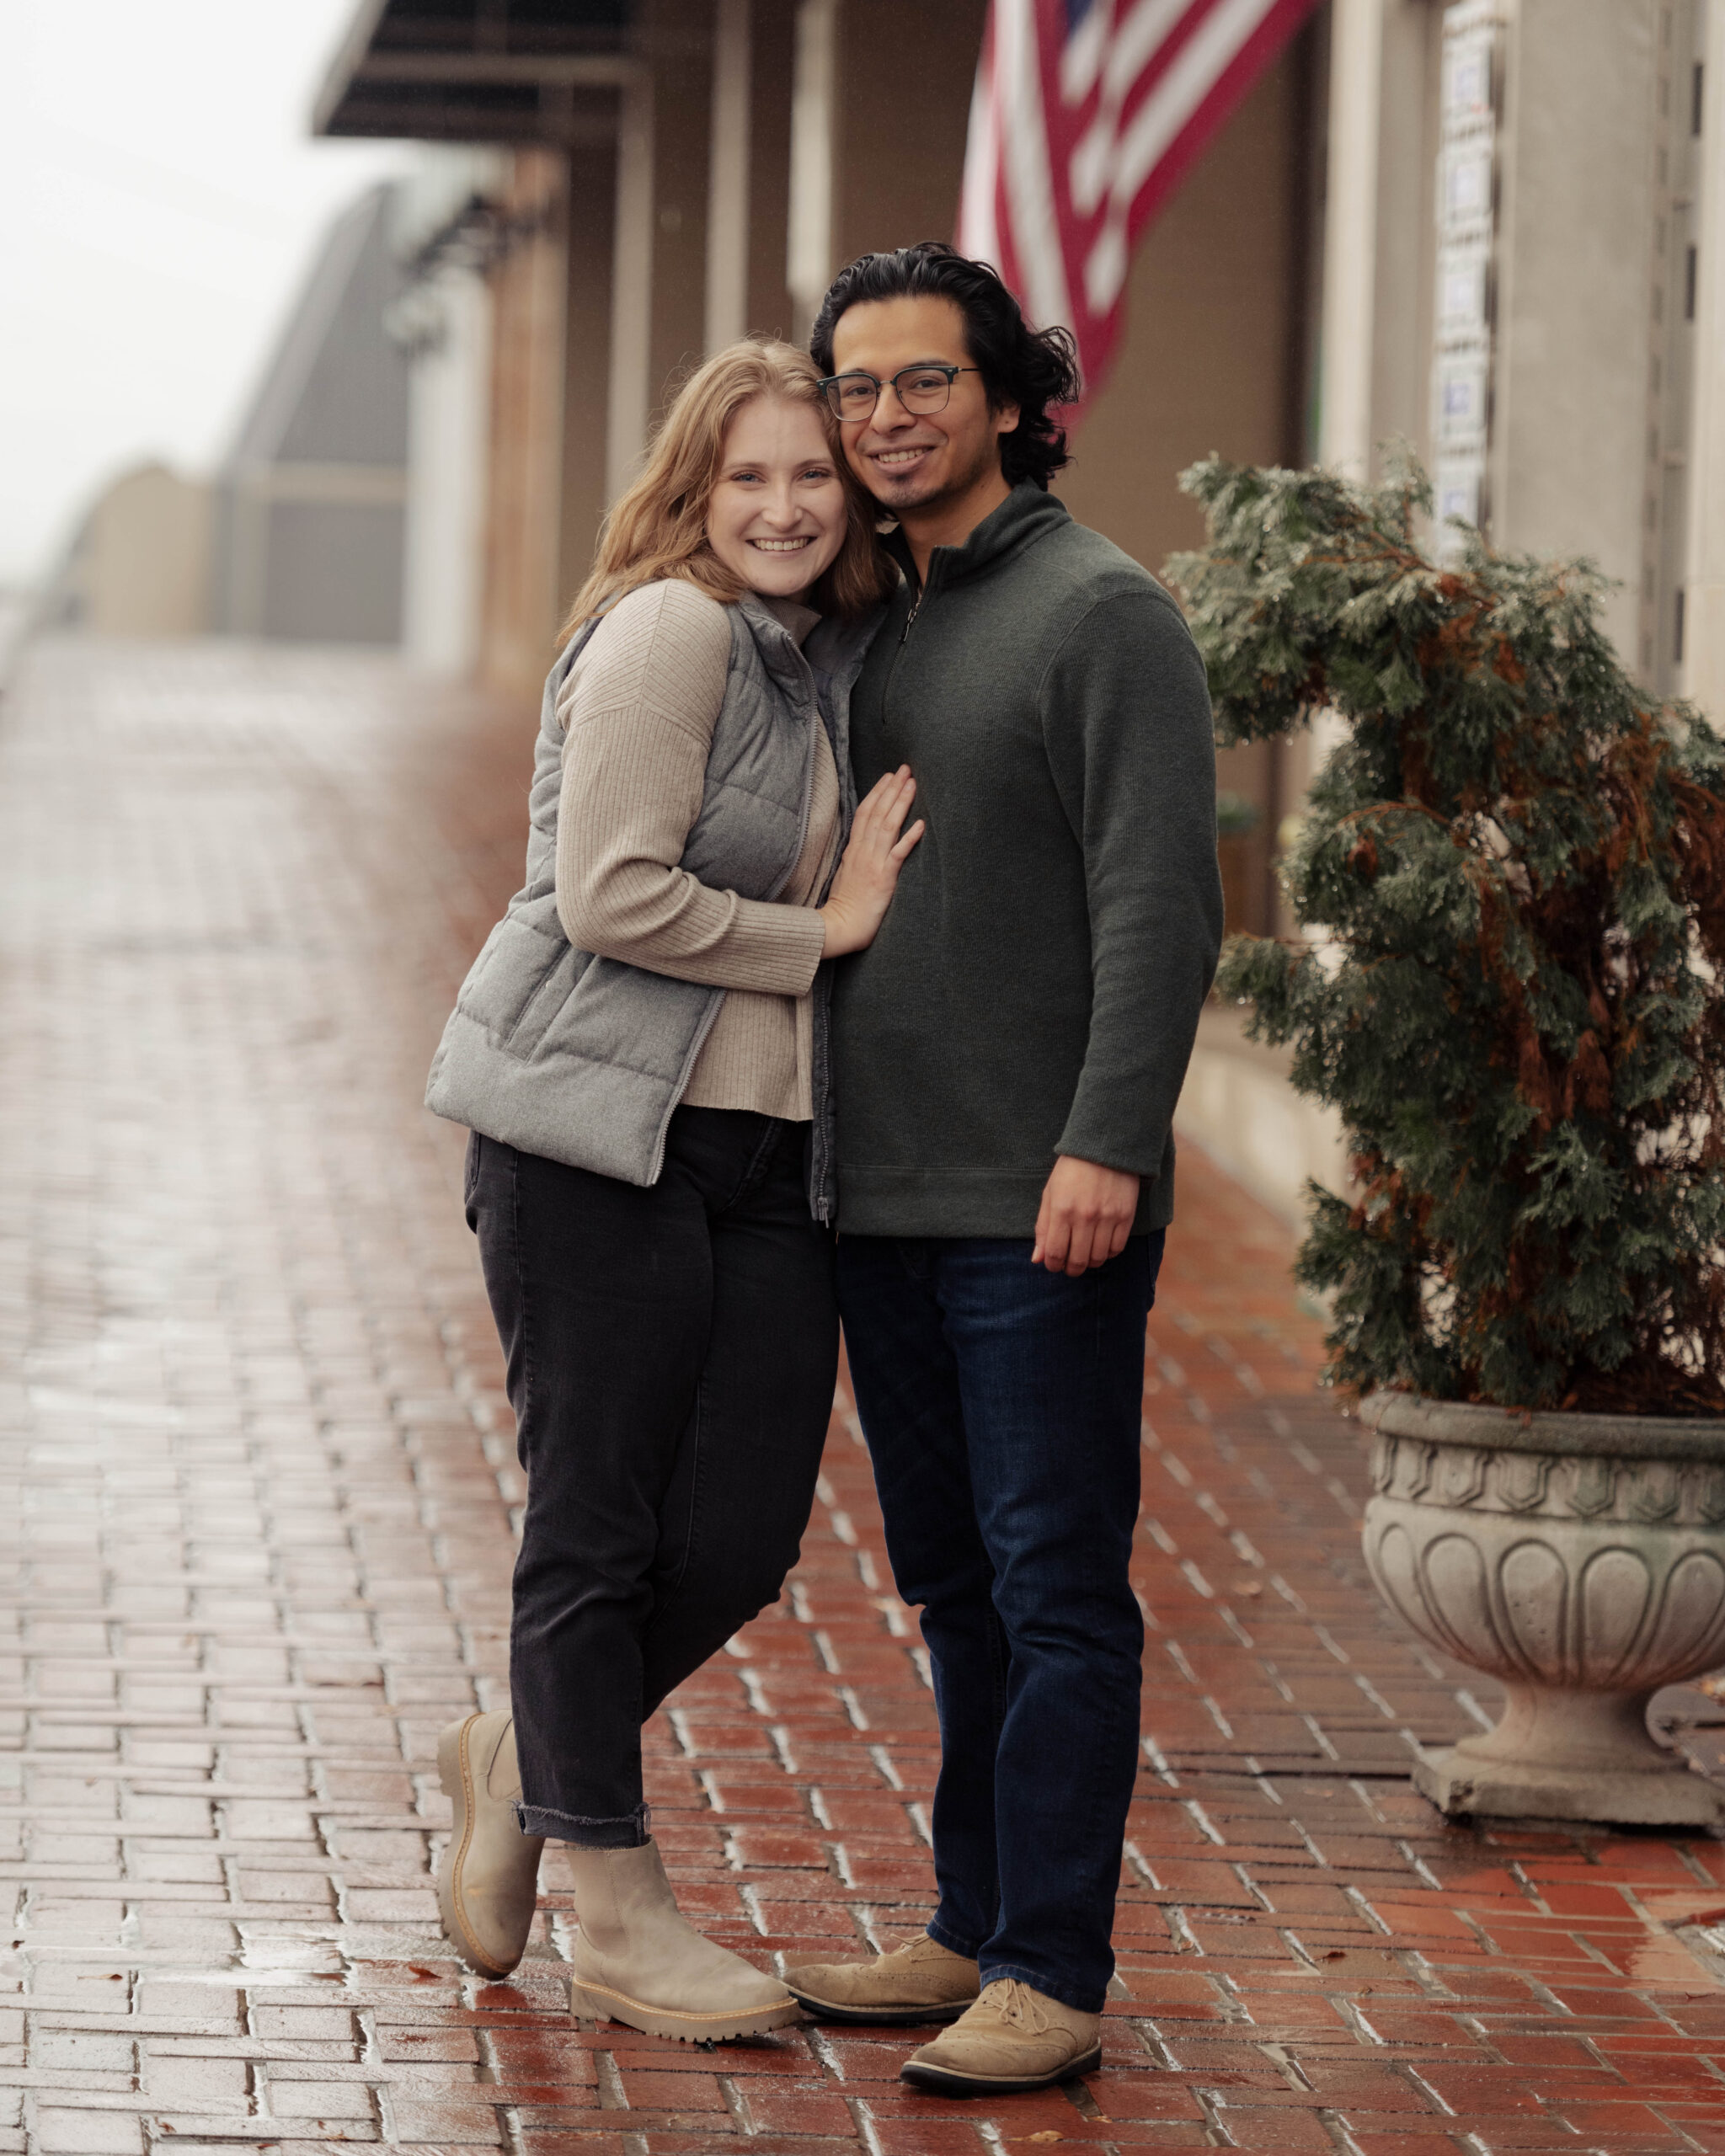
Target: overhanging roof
{"points": [[478, 71]]}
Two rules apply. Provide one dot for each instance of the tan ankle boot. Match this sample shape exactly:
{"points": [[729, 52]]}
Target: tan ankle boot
{"points": [[1013, 2039], [916, 1984], [637, 1960], [488, 1879]]}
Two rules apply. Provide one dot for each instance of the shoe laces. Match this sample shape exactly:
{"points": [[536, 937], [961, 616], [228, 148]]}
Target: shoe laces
{"points": [[924, 1948], [1017, 2005]]}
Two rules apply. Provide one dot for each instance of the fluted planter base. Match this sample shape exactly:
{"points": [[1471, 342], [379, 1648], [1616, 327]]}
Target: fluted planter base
{"points": [[1571, 1755], [1580, 1559]]}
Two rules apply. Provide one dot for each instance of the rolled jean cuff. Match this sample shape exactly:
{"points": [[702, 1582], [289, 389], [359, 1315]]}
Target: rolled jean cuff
{"points": [[627, 1832], [1054, 1987]]}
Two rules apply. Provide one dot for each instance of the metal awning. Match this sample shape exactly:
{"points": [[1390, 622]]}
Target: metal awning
{"points": [[479, 70]]}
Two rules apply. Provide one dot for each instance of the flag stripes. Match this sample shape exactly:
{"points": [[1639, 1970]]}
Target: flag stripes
{"points": [[1086, 116]]}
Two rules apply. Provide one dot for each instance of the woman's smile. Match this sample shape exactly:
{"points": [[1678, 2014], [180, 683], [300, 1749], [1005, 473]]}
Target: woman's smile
{"points": [[777, 467]]}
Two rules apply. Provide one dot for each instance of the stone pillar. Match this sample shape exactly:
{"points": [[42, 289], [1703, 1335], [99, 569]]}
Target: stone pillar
{"points": [[632, 391], [1408, 142], [1701, 665], [1345, 417], [1575, 459], [448, 404], [1377, 249], [728, 181], [589, 359], [809, 252], [524, 507], [1347, 332], [1374, 335]]}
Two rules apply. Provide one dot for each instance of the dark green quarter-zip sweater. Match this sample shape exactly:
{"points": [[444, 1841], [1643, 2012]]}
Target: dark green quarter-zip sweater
{"points": [[1035, 987]]}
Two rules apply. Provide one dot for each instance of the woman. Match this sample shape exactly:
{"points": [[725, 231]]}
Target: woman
{"points": [[640, 1052]]}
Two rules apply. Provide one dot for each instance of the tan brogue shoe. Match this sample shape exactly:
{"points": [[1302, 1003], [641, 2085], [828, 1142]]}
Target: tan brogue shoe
{"points": [[638, 1960], [1011, 2040], [488, 1881], [916, 1984]]}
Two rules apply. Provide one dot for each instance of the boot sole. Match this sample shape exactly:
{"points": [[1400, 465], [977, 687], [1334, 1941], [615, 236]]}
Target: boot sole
{"points": [[455, 1772], [878, 2017], [946, 2081], [596, 2003]]}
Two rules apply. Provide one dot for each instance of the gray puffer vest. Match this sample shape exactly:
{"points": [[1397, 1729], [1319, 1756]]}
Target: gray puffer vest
{"points": [[581, 1058]]}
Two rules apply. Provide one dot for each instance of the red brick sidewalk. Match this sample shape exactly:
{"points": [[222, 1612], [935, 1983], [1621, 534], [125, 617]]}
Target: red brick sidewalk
{"points": [[260, 1552]]}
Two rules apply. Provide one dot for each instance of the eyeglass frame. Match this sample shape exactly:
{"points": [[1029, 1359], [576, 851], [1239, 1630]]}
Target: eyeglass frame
{"points": [[922, 366]]}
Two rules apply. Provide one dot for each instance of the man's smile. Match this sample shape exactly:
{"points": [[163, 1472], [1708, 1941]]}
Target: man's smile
{"points": [[901, 460]]}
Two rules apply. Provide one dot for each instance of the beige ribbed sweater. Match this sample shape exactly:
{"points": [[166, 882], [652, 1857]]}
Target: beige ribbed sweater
{"points": [[638, 712]]}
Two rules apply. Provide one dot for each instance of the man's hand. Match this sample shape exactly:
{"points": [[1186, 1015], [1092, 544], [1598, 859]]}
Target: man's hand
{"points": [[1085, 1217]]}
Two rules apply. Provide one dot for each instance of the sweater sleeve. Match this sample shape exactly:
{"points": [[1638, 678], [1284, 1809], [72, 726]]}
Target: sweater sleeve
{"points": [[639, 715], [1126, 719]]}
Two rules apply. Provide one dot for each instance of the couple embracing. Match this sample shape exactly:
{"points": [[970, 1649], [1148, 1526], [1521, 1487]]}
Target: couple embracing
{"points": [[872, 897]]}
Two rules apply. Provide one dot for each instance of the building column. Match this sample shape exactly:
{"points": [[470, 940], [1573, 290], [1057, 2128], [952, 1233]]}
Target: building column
{"points": [[1575, 461], [727, 185], [809, 262], [587, 375], [631, 402], [449, 402], [1348, 346], [1702, 665], [1347, 339], [524, 509]]}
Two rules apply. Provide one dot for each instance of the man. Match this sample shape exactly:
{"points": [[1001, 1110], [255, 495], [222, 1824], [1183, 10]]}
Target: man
{"points": [[1008, 1057]]}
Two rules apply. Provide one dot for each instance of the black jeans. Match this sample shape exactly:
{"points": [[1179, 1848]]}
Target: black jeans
{"points": [[1002, 1405], [671, 1354]]}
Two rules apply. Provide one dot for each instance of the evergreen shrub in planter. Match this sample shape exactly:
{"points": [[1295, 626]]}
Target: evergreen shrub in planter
{"points": [[1512, 869]]}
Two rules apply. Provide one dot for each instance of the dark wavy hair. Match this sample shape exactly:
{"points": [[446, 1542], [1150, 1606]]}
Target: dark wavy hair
{"points": [[1034, 369]]}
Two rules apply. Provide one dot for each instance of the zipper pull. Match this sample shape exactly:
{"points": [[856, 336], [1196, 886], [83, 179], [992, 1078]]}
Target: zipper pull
{"points": [[916, 609]]}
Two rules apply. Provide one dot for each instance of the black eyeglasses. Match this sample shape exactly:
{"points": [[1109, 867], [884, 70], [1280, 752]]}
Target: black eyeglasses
{"points": [[926, 389]]}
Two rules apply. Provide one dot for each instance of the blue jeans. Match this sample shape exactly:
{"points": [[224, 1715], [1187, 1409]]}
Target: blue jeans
{"points": [[1002, 1406]]}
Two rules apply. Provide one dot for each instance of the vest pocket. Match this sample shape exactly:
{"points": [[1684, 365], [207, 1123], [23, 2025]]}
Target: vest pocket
{"points": [[543, 1007], [518, 983]]}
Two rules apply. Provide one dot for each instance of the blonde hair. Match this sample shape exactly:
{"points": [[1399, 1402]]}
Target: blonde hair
{"points": [[657, 528]]}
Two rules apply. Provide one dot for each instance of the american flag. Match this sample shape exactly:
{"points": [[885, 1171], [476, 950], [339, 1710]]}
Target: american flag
{"points": [[1086, 114]]}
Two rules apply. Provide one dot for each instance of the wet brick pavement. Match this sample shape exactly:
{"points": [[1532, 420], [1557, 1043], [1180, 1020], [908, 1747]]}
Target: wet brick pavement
{"points": [[259, 1499]]}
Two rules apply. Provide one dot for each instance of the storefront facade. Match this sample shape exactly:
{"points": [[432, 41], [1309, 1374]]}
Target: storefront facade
{"points": [[1481, 229]]}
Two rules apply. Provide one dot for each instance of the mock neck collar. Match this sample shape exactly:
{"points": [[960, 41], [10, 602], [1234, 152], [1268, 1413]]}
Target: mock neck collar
{"points": [[1028, 514]]}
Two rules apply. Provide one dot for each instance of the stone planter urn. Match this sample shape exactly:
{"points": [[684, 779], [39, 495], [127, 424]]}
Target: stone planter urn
{"points": [[1579, 1559]]}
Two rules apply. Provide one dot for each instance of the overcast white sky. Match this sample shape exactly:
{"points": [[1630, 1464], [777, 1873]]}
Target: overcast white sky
{"points": [[162, 200]]}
